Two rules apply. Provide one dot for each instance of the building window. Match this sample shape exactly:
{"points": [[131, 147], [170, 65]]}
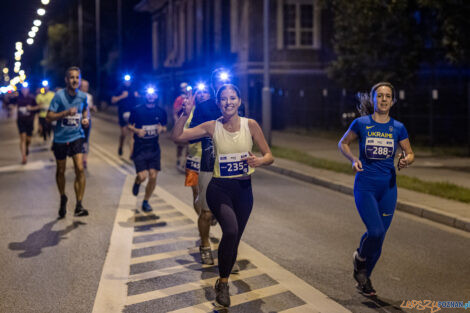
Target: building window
{"points": [[300, 23]]}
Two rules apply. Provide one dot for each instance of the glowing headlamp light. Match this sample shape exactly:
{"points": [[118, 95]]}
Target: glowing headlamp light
{"points": [[201, 86], [45, 83], [127, 77], [189, 88], [150, 91], [224, 76], [25, 85]]}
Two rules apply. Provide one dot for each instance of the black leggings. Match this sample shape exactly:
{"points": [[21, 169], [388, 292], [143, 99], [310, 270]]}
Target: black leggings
{"points": [[231, 201]]}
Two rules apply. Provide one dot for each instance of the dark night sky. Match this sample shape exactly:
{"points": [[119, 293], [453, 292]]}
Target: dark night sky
{"points": [[17, 16]]}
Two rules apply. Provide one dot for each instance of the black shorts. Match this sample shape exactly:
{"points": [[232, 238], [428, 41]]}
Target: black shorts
{"points": [[63, 150], [25, 126], [147, 159]]}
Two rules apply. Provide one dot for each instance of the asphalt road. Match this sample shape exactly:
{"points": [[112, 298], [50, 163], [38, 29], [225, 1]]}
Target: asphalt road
{"points": [[55, 266]]}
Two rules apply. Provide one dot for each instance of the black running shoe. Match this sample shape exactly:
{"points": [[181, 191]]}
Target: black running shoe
{"points": [[120, 151], [360, 269], [135, 189], [367, 289], [80, 211], [146, 206], [222, 296], [63, 206], [206, 255]]}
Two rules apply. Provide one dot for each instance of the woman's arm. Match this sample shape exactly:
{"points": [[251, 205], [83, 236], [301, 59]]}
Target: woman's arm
{"points": [[343, 146], [410, 156], [179, 134], [258, 137]]}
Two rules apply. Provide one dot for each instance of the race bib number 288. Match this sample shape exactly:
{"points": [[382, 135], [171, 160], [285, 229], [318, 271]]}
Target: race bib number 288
{"points": [[379, 148], [232, 164]]}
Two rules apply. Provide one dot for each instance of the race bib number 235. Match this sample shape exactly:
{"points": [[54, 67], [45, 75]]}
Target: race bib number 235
{"points": [[232, 164]]}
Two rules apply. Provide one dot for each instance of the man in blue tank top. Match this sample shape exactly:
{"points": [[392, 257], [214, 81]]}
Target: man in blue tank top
{"points": [[69, 109]]}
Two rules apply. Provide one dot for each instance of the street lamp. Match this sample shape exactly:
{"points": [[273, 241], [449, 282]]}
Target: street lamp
{"points": [[37, 23], [41, 11], [31, 34], [30, 41], [45, 2], [35, 29]]}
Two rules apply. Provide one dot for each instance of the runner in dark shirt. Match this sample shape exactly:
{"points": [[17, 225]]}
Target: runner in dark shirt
{"points": [[27, 109], [147, 121]]}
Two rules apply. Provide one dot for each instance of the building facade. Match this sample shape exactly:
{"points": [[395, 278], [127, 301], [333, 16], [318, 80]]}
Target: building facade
{"points": [[192, 37]]}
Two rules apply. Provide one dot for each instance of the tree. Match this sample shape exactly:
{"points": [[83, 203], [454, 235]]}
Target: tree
{"points": [[60, 51], [375, 41]]}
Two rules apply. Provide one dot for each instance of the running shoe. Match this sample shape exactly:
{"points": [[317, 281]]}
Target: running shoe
{"points": [[206, 255], [80, 211], [222, 296], [366, 289], [63, 206], [120, 151], [146, 206], [360, 269], [24, 161], [135, 189]]}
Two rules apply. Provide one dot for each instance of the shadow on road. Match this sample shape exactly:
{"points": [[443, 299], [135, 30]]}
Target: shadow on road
{"points": [[45, 237], [381, 304]]}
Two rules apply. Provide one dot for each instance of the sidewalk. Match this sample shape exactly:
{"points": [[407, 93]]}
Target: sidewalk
{"points": [[452, 213], [455, 170]]}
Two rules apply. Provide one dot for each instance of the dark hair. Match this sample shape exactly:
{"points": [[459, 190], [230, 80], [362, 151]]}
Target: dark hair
{"points": [[72, 68], [366, 100], [227, 86]]}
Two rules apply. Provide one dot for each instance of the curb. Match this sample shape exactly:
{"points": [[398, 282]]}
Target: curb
{"points": [[409, 207]]}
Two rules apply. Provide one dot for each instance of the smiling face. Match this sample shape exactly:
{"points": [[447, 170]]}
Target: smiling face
{"points": [[383, 99], [72, 80], [229, 102]]}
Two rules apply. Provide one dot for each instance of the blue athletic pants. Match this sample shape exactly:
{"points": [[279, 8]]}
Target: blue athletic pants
{"points": [[376, 199]]}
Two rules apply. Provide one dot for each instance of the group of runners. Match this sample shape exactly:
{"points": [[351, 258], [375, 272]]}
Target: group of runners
{"points": [[220, 162]]}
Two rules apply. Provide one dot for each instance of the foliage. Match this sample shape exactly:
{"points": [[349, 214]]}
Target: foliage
{"points": [[391, 39], [59, 54]]}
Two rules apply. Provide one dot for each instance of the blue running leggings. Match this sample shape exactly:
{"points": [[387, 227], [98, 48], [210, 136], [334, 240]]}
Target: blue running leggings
{"points": [[231, 201], [376, 199]]}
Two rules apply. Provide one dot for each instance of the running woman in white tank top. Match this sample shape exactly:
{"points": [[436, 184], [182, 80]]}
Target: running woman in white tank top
{"points": [[229, 193]]}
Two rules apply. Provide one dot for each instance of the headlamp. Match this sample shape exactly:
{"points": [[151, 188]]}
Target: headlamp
{"points": [[201, 86], [224, 76]]}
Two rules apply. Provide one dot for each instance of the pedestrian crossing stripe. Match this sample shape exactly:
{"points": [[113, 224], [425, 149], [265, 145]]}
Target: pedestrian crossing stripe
{"points": [[158, 283]]}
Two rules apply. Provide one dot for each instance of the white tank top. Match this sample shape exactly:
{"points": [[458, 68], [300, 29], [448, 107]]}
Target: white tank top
{"points": [[230, 148]]}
